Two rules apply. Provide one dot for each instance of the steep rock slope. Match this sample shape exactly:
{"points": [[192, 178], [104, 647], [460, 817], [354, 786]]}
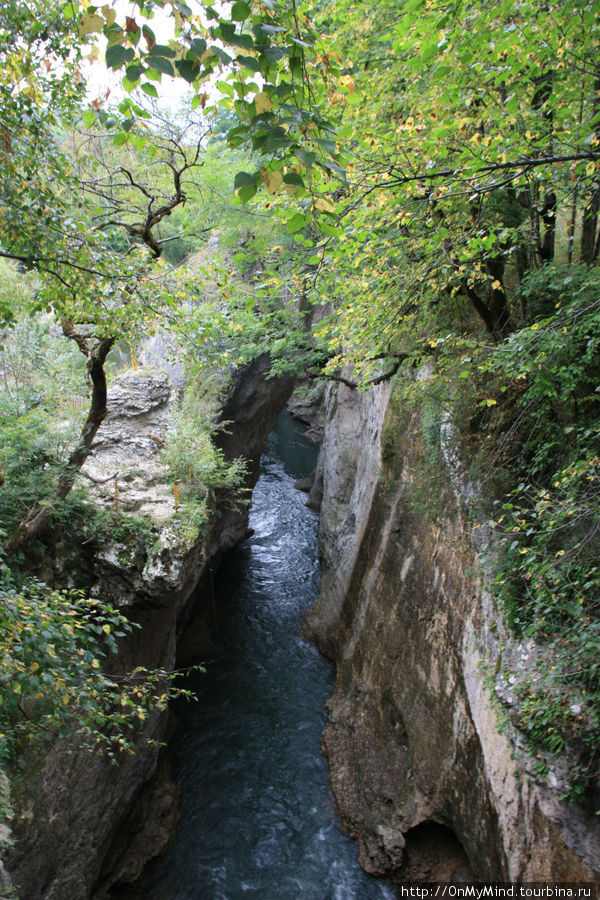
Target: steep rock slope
{"points": [[412, 737], [73, 837]]}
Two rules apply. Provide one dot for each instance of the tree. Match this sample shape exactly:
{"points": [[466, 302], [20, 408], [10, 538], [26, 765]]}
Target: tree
{"points": [[471, 205], [98, 286], [483, 133]]}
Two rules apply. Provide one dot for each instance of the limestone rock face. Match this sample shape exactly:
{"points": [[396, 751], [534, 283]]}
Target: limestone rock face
{"points": [[86, 822], [129, 442], [412, 738], [306, 404], [127, 452]]}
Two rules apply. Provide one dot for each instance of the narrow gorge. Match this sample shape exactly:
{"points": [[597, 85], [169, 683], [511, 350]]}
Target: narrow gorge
{"points": [[299, 449], [425, 780]]}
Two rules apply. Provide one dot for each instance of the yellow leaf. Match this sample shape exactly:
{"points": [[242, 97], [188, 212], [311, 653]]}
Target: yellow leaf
{"points": [[65, 699], [106, 629], [273, 181], [95, 664], [90, 24], [263, 102], [348, 83], [497, 285], [116, 37], [590, 168], [324, 205], [109, 14], [179, 49]]}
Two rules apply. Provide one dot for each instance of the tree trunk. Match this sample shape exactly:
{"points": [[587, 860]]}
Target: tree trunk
{"points": [[38, 522], [499, 310], [548, 214], [589, 225]]}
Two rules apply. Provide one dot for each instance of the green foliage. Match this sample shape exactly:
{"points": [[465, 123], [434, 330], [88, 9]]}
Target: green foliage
{"points": [[547, 543], [269, 51], [53, 647], [480, 117], [525, 418], [41, 407], [196, 465]]}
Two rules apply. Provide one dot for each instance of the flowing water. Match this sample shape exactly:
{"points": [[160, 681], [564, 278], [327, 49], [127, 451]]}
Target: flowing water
{"points": [[257, 816]]}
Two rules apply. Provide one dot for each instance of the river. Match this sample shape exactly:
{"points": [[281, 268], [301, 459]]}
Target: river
{"points": [[257, 816]]}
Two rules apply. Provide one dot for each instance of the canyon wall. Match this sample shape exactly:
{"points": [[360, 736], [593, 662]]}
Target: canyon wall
{"points": [[413, 737], [84, 823]]}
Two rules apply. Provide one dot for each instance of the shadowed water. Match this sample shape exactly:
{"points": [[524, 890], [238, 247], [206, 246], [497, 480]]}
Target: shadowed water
{"points": [[257, 816]]}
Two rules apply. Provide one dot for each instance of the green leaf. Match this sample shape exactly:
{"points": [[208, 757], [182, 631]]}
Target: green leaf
{"points": [[225, 88], [198, 46], [246, 193], [293, 178], [274, 54], [160, 64], [223, 56], [134, 71], [306, 156], [187, 69], [327, 144], [333, 169], [117, 55], [154, 74], [150, 90], [226, 31], [240, 11], [243, 40], [162, 50], [331, 230], [244, 179], [249, 62], [296, 223]]}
